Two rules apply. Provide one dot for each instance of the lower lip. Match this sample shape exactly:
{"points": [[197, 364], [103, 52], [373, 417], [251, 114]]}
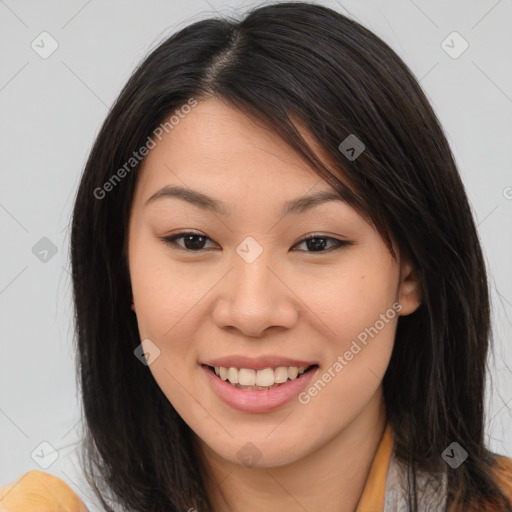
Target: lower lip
{"points": [[248, 400]]}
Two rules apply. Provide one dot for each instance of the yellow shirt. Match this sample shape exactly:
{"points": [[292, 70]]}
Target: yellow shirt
{"points": [[37, 491]]}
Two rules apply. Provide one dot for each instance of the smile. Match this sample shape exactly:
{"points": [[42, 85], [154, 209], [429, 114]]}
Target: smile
{"points": [[251, 397], [267, 378]]}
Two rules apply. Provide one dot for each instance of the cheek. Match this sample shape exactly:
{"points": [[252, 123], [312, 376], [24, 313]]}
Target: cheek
{"points": [[354, 296], [355, 356], [163, 289], [358, 312], [165, 296]]}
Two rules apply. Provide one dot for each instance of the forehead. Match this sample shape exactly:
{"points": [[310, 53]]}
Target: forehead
{"points": [[216, 146]]}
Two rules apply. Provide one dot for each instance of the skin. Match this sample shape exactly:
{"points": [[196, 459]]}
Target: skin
{"points": [[304, 303]]}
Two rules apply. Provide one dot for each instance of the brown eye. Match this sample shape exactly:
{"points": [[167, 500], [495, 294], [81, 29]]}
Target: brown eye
{"points": [[191, 241], [318, 243], [195, 242]]}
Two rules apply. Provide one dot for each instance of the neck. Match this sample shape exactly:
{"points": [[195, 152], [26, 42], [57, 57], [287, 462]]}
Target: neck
{"points": [[330, 479]]}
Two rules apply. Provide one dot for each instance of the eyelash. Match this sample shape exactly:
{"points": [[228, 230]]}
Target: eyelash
{"points": [[339, 244]]}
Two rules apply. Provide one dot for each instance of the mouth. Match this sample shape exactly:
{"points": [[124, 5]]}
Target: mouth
{"points": [[260, 379], [254, 390]]}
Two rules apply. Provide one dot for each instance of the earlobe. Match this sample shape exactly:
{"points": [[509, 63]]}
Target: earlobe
{"points": [[410, 292]]}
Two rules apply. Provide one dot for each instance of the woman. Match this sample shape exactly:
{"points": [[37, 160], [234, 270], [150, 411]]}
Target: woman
{"points": [[280, 293]]}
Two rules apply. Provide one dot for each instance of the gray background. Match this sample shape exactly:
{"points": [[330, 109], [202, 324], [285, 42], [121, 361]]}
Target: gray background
{"points": [[51, 110]]}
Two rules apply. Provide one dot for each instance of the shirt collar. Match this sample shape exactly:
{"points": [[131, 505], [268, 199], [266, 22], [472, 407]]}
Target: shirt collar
{"points": [[372, 499]]}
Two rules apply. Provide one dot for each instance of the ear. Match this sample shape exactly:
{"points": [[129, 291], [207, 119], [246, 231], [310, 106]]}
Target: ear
{"points": [[409, 292]]}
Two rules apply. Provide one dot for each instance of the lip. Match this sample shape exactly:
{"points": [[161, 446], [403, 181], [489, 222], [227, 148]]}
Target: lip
{"points": [[258, 363], [254, 401]]}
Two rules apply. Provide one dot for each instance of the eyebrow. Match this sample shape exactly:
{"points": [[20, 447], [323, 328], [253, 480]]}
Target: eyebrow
{"points": [[208, 203]]}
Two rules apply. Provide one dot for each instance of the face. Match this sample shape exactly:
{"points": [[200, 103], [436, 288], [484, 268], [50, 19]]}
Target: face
{"points": [[241, 286]]}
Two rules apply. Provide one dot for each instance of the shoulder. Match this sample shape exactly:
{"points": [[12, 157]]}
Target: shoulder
{"points": [[37, 490], [504, 474]]}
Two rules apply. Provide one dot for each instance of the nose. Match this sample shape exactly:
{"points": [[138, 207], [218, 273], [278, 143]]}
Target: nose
{"points": [[254, 298]]}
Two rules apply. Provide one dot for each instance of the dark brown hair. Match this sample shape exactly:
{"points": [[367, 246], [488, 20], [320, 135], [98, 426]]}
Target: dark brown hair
{"points": [[286, 62]]}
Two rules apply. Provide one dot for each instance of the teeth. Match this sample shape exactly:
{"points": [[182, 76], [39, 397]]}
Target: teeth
{"points": [[281, 374], [248, 378], [265, 377], [293, 371], [233, 375]]}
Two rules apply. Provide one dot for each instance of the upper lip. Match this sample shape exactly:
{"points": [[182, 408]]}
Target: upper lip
{"points": [[258, 363]]}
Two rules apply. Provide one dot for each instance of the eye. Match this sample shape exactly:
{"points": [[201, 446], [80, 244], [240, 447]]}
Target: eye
{"points": [[195, 242], [192, 241], [318, 243]]}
